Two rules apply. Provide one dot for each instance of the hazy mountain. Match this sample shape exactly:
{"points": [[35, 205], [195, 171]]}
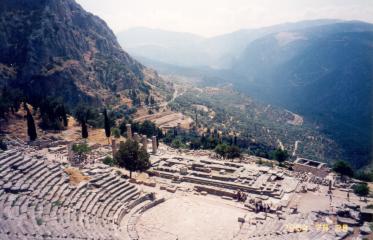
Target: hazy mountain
{"points": [[182, 49], [55, 47], [324, 73], [189, 50]]}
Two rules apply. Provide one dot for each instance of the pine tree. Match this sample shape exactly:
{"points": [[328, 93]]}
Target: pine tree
{"points": [[107, 126], [230, 141], [31, 129]]}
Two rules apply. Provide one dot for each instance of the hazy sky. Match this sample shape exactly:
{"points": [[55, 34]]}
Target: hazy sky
{"points": [[212, 17]]}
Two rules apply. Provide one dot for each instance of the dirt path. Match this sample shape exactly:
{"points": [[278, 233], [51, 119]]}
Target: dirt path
{"points": [[280, 144], [295, 147]]}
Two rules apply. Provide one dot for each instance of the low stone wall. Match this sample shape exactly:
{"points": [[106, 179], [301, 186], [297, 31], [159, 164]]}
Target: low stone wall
{"points": [[152, 204], [215, 191]]}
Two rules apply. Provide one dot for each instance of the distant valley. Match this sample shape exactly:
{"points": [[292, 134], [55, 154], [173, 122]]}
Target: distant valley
{"points": [[319, 69]]}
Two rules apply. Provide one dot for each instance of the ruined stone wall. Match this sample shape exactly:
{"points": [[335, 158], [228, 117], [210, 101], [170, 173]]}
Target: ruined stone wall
{"points": [[319, 172]]}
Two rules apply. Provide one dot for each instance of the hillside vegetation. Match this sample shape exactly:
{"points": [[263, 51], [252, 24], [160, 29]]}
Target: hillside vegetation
{"points": [[263, 127]]}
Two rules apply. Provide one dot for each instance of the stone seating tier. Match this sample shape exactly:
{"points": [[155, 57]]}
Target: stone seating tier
{"points": [[38, 202]]}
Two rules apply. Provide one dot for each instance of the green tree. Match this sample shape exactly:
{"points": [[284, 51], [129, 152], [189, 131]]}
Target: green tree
{"points": [[81, 150], [361, 189], [31, 129], [195, 144], [205, 142], [280, 155], [343, 168], [177, 143], [152, 101], [107, 126], [364, 176], [53, 113], [84, 130], [233, 152], [221, 150], [212, 143], [64, 116], [10, 99], [115, 132], [132, 157], [83, 113], [168, 137], [235, 139], [148, 128]]}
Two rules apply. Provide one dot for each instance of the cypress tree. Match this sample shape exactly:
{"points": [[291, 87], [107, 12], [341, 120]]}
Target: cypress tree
{"points": [[84, 130], [107, 125], [64, 116], [31, 129], [152, 101]]}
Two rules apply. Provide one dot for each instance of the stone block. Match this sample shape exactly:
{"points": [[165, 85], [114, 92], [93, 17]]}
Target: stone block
{"points": [[241, 219], [183, 170]]}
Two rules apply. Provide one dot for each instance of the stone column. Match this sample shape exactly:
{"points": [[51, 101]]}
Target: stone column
{"points": [[144, 141], [129, 131], [113, 146], [154, 144], [136, 137]]}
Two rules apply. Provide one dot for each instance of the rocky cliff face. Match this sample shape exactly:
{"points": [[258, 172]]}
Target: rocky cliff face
{"points": [[55, 47]]}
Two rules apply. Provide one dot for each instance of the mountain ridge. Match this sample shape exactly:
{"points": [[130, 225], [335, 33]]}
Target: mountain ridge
{"points": [[50, 45], [216, 51]]}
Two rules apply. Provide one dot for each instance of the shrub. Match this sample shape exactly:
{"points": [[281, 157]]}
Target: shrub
{"points": [[3, 145], [39, 221], [361, 189], [177, 143], [233, 152], [81, 148], [108, 161], [343, 168], [115, 132], [364, 176], [280, 155]]}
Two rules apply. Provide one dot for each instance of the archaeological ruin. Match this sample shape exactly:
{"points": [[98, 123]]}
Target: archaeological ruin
{"points": [[184, 195]]}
